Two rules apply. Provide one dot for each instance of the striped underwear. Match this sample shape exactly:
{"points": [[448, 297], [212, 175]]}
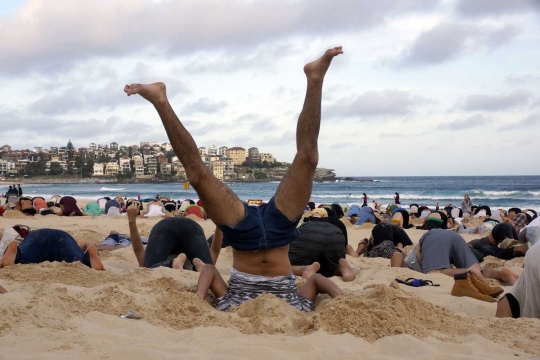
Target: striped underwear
{"points": [[243, 287]]}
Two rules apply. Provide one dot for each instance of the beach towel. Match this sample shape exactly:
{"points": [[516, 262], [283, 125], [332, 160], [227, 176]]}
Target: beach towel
{"points": [[154, 210], [92, 208]]}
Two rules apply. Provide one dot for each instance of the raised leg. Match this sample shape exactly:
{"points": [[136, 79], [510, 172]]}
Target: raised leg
{"points": [[210, 279], [10, 255], [397, 260], [179, 261], [221, 204], [293, 193], [345, 270]]}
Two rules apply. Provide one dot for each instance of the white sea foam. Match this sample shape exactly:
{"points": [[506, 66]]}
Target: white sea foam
{"points": [[535, 193], [503, 193], [111, 189]]}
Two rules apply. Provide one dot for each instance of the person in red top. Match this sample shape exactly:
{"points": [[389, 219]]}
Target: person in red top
{"points": [[139, 197], [365, 198]]}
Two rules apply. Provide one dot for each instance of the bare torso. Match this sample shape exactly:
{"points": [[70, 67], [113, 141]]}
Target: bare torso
{"points": [[270, 262]]}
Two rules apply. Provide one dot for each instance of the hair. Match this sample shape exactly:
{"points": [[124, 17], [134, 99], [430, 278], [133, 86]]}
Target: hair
{"points": [[397, 194]]}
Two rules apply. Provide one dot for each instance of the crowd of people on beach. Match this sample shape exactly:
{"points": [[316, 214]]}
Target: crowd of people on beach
{"points": [[274, 242]]}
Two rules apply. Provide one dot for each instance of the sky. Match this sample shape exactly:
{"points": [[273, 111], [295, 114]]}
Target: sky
{"points": [[424, 87]]}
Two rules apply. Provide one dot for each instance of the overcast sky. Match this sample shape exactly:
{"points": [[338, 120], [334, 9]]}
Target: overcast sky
{"points": [[425, 87]]}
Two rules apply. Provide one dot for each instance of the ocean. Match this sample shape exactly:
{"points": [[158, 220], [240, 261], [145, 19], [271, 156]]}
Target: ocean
{"points": [[493, 191]]}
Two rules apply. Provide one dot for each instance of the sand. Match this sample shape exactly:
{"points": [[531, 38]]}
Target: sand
{"points": [[59, 310]]}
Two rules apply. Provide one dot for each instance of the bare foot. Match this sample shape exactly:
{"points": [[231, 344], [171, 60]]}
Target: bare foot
{"points": [[155, 93], [10, 254], [198, 263], [508, 276], [350, 251], [311, 270], [347, 272], [317, 69], [178, 262], [95, 261]]}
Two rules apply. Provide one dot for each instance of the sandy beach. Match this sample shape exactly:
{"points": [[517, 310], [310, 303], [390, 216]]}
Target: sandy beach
{"points": [[59, 310]]}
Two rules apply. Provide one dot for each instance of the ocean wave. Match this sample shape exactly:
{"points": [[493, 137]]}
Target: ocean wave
{"points": [[503, 193], [535, 193], [111, 189]]}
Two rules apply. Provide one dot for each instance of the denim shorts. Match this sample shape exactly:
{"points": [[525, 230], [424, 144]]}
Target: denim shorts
{"points": [[264, 227]]}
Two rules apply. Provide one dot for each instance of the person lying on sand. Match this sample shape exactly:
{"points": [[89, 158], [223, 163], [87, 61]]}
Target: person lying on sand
{"points": [[51, 245], [489, 245], [260, 236], [114, 241], [523, 299], [385, 240], [171, 242], [439, 250], [68, 207]]}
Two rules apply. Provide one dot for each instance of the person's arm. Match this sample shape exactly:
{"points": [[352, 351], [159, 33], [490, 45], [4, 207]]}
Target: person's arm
{"points": [[215, 248], [136, 241]]}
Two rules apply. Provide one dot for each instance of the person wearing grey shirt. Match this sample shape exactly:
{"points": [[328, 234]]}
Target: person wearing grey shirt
{"points": [[446, 252]]}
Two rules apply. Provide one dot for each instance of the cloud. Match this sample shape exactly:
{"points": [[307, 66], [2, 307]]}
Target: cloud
{"points": [[498, 102], [480, 8], [263, 126], [56, 34], [449, 40], [203, 105], [530, 120], [391, 135], [373, 103], [462, 124], [522, 78]]}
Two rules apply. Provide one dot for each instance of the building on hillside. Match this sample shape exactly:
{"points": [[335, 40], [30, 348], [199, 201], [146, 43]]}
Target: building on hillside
{"points": [[14, 156], [112, 168], [202, 151], [125, 164], [223, 168], [38, 149], [166, 168], [179, 170], [92, 146], [53, 150], [4, 165], [166, 147], [151, 165], [237, 154], [253, 155], [144, 143], [113, 146], [98, 169], [6, 148], [138, 164], [268, 157], [212, 150], [222, 151]]}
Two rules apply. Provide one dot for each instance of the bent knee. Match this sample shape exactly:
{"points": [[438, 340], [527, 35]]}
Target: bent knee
{"points": [[308, 157], [113, 232]]}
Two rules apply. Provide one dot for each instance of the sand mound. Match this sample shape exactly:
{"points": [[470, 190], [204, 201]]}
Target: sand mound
{"points": [[491, 262], [372, 313], [15, 214]]}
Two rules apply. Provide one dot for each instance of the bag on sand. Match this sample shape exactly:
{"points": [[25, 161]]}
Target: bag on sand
{"points": [[416, 282]]}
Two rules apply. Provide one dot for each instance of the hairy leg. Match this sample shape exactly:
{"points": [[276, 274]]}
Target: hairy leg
{"points": [[210, 279], [221, 204], [318, 284], [294, 191]]}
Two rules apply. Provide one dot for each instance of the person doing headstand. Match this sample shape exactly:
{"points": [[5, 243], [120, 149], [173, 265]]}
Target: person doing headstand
{"points": [[260, 236]]}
